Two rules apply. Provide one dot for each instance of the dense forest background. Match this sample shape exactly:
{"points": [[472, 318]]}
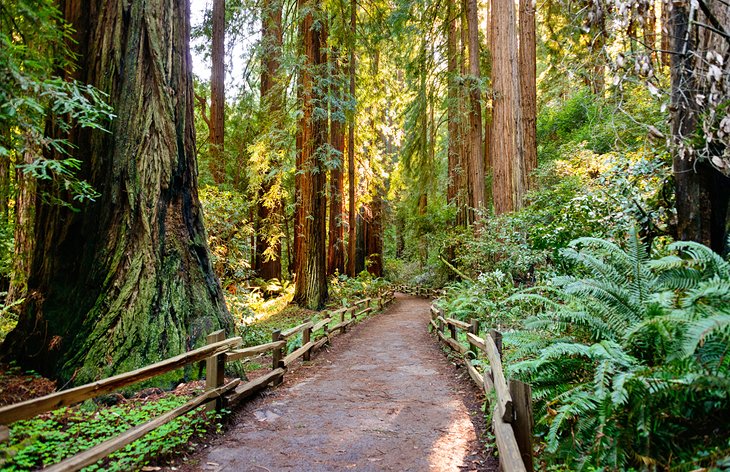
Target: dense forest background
{"points": [[560, 167]]}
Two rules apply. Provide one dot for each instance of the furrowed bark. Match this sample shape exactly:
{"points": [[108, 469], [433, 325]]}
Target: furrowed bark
{"points": [[311, 283], [127, 280]]}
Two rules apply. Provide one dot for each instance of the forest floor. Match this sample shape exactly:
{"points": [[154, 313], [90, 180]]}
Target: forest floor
{"points": [[383, 397]]}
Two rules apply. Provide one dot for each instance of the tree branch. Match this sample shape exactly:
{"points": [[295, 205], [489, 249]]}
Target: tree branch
{"points": [[203, 107]]}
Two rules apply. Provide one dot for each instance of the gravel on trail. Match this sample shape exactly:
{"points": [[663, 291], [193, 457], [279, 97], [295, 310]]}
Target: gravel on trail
{"points": [[383, 397]]}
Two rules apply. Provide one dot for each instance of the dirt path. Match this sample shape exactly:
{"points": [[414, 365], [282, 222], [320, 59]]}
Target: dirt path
{"points": [[383, 398]]}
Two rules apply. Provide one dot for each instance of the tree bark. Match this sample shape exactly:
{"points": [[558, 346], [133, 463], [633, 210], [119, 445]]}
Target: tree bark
{"points": [[454, 170], [336, 247], [528, 86], [267, 262], [311, 282], [352, 235], [476, 156], [217, 93], [702, 192], [127, 280], [506, 132]]}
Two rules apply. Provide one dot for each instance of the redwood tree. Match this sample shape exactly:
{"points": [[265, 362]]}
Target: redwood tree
{"points": [[267, 262], [336, 243], [310, 280], [127, 280], [217, 93]]}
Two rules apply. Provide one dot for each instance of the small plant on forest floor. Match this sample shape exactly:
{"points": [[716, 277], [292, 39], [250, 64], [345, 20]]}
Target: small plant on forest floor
{"points": [[52, 437]]}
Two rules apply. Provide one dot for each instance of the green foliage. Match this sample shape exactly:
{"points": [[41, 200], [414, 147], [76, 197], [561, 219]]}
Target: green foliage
{"points": [[32, 49], [229, 231], [345, 290], [48, 439], [641, 356]]}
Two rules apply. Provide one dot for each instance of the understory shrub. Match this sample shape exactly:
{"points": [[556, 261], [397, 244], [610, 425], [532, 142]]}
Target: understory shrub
{"points": [[637, 373]]}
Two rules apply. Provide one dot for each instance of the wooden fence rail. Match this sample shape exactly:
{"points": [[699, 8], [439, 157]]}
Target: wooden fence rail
{"points": [[218, 393], [512, 420]]}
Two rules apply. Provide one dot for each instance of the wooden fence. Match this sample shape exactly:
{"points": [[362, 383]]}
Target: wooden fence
{"points": [[219, 393], [512, 420]]}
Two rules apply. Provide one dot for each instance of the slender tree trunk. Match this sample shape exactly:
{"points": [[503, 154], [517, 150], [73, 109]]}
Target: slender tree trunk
{"points": [[476, 156], [463, 139], [127, 280], [267, 262], [506, 133], [23, 233], [336, 249], [352, 236], [666, 39], [311, 281], [217, 93], [454, 172], [528, 87]]}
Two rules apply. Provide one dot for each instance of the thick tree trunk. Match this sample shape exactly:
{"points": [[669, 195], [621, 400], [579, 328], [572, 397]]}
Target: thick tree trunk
{"points": [[476, 156], [267, 262], [127, 280], [506, 133], [352, 236], [336, 245], [528, 87], [311, 282], [217, 93], [702, 192]]}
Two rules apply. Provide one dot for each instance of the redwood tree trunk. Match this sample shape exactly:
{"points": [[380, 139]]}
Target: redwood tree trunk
{"points": [[127, 280], [217, 92], [352, 235], [311, 282], [476, 155], [336, 247], [267, 262], [528, 87], [702, 192], [454, 170], [506, 134]]}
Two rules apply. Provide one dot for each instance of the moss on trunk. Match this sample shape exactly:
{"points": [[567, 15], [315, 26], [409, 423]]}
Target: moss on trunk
{"points": [[126, 281]]}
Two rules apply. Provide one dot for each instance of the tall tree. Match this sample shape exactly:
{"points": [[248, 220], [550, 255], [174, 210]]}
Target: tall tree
{"points": [[508, 167], [351, 177], [699, 71], [528, 86], [267, 261], [127, 280], [218, 93], [310, 280], [336, 244], [476, 156], [454, 185]]}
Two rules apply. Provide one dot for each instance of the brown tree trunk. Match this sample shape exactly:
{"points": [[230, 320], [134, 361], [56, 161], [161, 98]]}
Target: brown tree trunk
{"points": [[311, 281], [476, 156], [528, 87], [218, 93], [507, 181], [23, 233], [127, 280], [267, 262], [352, 235], [702, 192], [336, 248], [666, 27], [463, 123], [454, 170]]}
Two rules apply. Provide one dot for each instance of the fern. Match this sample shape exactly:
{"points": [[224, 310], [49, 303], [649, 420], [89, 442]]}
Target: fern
{"points": [[642, 356]]}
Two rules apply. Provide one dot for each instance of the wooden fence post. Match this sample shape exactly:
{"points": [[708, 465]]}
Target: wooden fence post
{"points": [[497, 336], [215, 370], [452, 330], [306, 337], [522, 403], [475, 331], [276, 355], [342, 320]]}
